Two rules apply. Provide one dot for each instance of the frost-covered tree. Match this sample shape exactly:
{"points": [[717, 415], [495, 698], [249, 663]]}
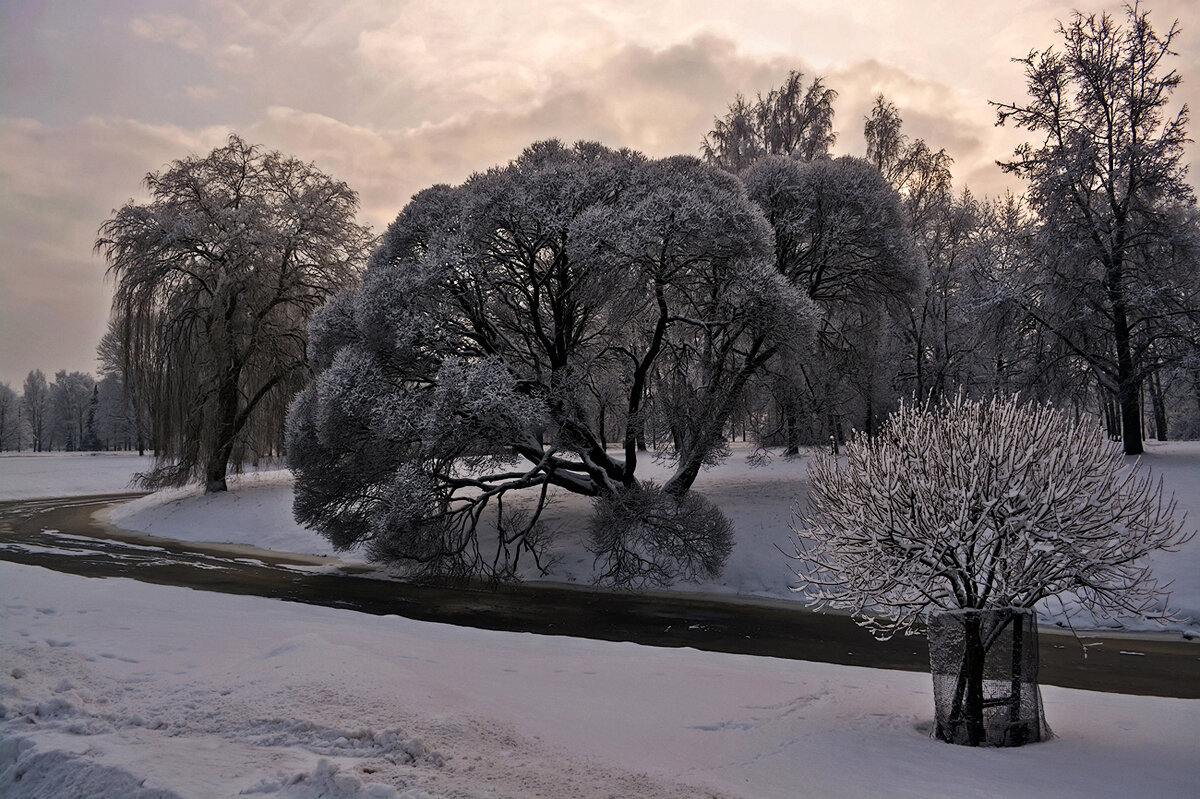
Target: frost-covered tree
{"points": [[113, 419], [921, 175], [937, 325], [10, 418], [793, 120], [841, 236], [461, 377], [125, 413], [216, 279], [70, 401], [966, 507], [1103, 178], [36, 410]]}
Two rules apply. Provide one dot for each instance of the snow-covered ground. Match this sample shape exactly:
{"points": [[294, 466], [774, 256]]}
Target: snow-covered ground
{"points": [[113, 688], [759, 500], [30, 475]]}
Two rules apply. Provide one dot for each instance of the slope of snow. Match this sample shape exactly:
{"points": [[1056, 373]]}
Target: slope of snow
{"points": [[759, 501], [113, 688], [257, 510]]}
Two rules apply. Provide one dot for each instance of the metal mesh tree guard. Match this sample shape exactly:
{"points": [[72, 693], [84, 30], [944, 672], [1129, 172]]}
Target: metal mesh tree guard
{"points": [[985, 677]]}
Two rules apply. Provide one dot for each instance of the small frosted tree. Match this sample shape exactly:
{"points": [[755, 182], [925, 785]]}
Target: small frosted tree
{"points": [[977, 506]]}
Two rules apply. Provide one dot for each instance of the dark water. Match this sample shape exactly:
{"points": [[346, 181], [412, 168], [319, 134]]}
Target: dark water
{"points": [[62, 535]]}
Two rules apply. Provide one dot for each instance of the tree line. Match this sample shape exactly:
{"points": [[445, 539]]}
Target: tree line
{"points": [[75, 412], [508, 329]]}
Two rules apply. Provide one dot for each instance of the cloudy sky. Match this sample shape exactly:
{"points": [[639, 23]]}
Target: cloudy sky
{"points": [[394, 95]]}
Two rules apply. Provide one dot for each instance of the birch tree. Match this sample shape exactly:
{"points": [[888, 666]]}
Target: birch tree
{"points": [[792, 120]]}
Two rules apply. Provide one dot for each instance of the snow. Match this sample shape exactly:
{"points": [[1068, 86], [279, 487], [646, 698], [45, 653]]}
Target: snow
{"points": [[118, 688], [257, 511], [29, 475], [114, 688]]}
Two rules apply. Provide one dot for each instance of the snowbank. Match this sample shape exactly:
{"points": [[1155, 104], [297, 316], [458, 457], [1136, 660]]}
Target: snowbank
{"points": [[257, 510], [113, 688]]}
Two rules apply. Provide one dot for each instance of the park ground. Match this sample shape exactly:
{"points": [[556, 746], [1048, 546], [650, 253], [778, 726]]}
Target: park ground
{"points": [[116, 688]]}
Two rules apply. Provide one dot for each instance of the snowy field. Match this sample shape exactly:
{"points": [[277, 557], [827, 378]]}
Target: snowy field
{"points": [[113, 688], [30, 475]]}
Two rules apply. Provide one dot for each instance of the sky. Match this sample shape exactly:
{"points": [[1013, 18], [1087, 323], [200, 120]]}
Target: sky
{"points": [[392, 96]]}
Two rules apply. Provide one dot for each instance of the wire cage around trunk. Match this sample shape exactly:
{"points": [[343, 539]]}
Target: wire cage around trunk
{"points": [[985, 677]]}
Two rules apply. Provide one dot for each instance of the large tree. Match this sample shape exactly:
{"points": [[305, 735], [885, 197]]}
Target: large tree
{"points": [[841, 237], [216, 278], [463, 374], [1103, 179]]}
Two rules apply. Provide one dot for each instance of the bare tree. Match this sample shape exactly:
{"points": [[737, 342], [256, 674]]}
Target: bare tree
{"points": [[936, 325], [70, 400], [1102, 180], [964, 507], [10, 418], [216, 278]]}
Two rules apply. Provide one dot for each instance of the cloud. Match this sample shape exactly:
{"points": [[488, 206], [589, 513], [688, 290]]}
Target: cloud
{"points": [[57, 184], [946, 117], [395, 97], [202, 93], [170, 28]]}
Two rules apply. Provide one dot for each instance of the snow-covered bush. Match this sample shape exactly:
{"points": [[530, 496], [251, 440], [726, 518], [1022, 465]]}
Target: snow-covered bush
{"points": [[982, 505]]}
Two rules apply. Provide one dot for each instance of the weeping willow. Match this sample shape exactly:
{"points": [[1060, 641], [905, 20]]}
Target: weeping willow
{"points": [[215, 281]]}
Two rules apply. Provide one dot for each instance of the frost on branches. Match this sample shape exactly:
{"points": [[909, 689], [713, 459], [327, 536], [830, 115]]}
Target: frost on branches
{"points": [[982, 506], [462, 382]]}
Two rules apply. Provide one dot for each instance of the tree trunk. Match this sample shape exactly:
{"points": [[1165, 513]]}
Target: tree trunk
{"points": [[225, 433], [792, 430], [1159, 405], [969, 708], [1128, 382], [835, 434]]}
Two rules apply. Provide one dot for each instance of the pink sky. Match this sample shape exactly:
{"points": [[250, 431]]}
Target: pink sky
{"points": [[392, 97]]}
